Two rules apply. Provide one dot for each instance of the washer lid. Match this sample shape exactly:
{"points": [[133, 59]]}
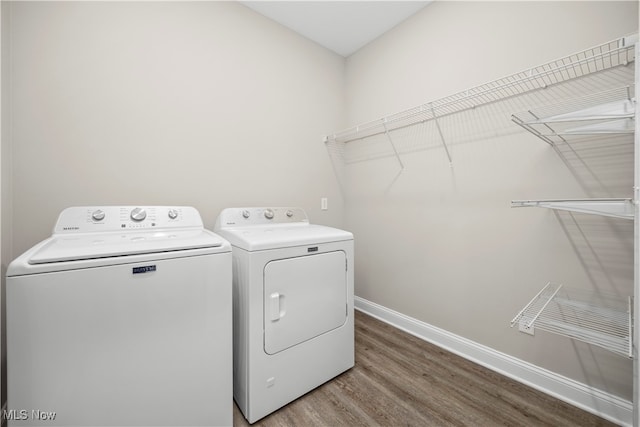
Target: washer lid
{"points": [[261, 237], [69, 247]]}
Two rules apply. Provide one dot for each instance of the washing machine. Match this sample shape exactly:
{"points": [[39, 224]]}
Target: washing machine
{"points": [[121, 318], [293, 305]]}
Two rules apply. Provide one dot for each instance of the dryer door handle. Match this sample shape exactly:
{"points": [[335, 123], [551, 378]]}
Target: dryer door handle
{"points": [[276, 306]]}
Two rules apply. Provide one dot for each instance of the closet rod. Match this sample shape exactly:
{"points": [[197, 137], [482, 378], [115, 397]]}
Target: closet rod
{"points": [[605, 56]]}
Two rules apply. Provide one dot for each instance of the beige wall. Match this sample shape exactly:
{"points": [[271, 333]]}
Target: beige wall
{"points": [[442, 244], [205, 104], [179, 103]]}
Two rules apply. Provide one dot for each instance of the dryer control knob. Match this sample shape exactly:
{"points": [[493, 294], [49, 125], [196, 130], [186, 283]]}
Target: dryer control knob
{"points": [[289, 213], [268, 213], [138, 214], [173, 213], [245, 214], [98, 215]]}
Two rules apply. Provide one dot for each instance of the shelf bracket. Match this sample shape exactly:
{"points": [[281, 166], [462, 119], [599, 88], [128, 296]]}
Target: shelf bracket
{"points": [[615, 208], [517, 120], [395, 151], [533, 320], [520, 314], [444, 143]]}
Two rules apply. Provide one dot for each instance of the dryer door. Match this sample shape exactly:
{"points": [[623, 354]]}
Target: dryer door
{"points": [[303, 297]]}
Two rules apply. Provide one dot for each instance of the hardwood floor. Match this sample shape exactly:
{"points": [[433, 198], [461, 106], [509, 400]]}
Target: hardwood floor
{"points": [[400, 380]]}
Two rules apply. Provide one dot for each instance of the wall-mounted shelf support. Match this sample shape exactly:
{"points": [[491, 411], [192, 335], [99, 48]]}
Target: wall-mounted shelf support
{"points": [[595, 318], [444, 143], [624, 108], [539, 133], [616, 208], [621, 126], [395, 151]]}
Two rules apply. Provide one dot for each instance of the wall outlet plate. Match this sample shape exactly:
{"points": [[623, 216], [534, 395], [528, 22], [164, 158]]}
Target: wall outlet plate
{"points": [[522, 327]]}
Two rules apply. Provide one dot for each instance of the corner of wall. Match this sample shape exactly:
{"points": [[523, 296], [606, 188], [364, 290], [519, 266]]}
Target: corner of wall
{"points": [[6, 206]]}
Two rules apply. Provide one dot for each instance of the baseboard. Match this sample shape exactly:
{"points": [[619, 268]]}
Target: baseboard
{"points": [[598, 402]]}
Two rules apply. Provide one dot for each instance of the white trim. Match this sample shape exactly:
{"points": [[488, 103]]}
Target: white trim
{"points": [[595, 401]]}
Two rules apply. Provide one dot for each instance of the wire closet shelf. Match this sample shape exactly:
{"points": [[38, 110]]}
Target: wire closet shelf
{"points": [[599, 319], [608, 112], [603, 57], [598, 115]]}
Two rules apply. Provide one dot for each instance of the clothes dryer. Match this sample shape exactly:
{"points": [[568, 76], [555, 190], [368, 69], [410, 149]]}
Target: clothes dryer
{"points": [[293, 305], [121, 318]]}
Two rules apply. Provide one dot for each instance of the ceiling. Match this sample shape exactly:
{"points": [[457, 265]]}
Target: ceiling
{"points": [[341, 26]]}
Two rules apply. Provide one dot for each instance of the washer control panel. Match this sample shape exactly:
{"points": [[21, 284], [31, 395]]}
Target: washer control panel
{"points": [[238, 217], [121, 218]]}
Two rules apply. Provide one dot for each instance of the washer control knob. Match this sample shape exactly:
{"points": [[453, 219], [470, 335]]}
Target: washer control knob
{"points": [[138, 214], [289, 213], [268, 213], [173, 213], [246, 214], [97, 215]]}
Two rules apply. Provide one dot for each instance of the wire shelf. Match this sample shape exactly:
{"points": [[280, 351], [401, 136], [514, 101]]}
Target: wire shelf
{"points": [[619, 52], [616, 208], [608, 112], [604, 320]]}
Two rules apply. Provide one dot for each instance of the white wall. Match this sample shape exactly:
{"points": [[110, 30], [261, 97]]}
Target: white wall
{"points": [[179, 103], [442, 244]]}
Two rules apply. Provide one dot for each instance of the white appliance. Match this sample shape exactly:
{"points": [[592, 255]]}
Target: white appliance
{"points": [[293, 305], [122, 317]]}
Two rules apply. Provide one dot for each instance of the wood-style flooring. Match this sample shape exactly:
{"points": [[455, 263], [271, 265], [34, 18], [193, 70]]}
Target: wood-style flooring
{"points": [[400, 380]]}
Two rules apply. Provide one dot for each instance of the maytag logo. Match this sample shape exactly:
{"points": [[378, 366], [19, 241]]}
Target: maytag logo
{"points": [[71, 228], [144, 269]]}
